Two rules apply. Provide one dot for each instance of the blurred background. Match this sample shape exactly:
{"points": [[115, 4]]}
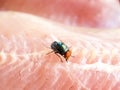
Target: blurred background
{"points": [[83, 13]]}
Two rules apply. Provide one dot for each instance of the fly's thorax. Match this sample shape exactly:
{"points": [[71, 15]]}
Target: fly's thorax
{"points": [[62, 48]]}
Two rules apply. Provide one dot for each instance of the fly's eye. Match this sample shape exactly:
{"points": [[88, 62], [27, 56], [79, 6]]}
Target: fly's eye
{"points": [[68, 54]]}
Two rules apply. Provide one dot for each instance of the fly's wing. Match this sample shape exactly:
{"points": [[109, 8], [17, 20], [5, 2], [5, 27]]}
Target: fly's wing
{"points": [[57, 46], [47, 41], [54, 38]]}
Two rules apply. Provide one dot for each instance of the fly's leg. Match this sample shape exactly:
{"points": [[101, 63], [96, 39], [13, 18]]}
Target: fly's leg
{"points": [[59, 57], [56, 54], [49, 52]]}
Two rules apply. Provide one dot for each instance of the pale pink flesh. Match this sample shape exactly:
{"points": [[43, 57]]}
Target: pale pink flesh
{"points": [[25, 40], [25, 65]]}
